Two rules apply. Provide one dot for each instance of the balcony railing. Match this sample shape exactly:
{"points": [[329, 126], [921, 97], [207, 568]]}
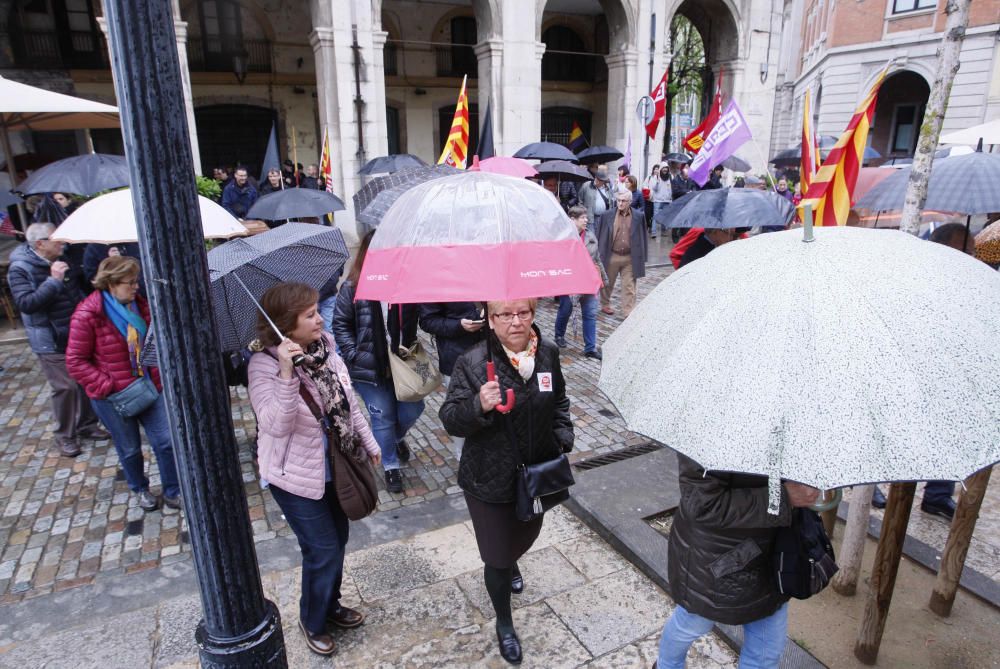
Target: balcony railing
{"points": [[45, 49], [457, 60], [213, 55]]}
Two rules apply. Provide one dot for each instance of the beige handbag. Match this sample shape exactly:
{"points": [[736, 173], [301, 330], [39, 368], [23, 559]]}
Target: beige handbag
{"points": [[414, 374]]}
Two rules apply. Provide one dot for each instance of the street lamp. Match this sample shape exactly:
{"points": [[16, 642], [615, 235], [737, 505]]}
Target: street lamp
{"points": [[240, 66]]}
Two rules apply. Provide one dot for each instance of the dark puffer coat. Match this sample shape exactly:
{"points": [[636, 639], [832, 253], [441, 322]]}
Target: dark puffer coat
{"points": [[359, 329], [444, 321], [46, 304], [540, 422], [97, 355], [721, 543]]}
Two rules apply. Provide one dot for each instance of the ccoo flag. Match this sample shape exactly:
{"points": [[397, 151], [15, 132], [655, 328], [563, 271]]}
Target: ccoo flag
{"points": [[730, 133], [456, 147], [833, 186]]}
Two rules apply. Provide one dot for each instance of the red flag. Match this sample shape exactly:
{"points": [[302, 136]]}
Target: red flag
{"points": [[696, 138], [659, 95]]}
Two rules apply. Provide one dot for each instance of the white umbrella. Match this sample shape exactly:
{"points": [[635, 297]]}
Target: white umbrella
{"points": [[864, 356], [110, 219], [989, 132]]}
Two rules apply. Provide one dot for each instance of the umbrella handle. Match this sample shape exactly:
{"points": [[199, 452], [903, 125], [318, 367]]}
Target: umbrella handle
{"points": [[832, 503], [491, 375]]}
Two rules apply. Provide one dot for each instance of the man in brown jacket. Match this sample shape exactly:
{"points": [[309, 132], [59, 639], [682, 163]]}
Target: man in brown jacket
{"points": [[622, 244]]}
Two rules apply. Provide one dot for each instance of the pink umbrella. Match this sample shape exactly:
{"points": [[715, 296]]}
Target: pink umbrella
{"points": [[512, 167]]}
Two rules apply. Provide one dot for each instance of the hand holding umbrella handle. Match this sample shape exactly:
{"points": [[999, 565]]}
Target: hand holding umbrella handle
{"points": [[832, 503], [491, 375]]}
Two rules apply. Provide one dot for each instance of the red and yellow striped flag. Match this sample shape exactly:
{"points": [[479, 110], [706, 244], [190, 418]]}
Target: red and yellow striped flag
{"points": [[833, 186], [810, 155], [456, 147], [325, 166]]}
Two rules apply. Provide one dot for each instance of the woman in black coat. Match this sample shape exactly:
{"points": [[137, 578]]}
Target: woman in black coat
{"points": [[539, 428]]}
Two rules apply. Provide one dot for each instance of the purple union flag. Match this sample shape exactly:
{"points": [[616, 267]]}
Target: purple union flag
{"points": [[729, 134]]}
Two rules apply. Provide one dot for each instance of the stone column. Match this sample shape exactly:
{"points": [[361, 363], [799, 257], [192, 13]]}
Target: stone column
{"points": [[623, 75], [376, 80], [490, 89]]}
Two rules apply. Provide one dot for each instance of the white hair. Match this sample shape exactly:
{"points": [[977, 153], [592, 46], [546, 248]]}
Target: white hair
{"points": [[39, 231]]}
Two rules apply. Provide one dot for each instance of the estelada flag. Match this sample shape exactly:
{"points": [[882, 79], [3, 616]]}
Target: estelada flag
{"points": [[456, 147], [659, 95], [577, 140], [696, 138], [832, 188], [325, 167]]}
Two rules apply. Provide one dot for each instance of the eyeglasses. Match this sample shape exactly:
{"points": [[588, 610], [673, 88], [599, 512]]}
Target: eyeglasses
{"points": [[507, 317]]}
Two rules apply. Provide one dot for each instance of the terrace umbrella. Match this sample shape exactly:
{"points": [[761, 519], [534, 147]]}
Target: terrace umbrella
{"points": [[965, 184], [818, 373], [391, 164], [545, 151], [988, 133], [599, 154], [294, 203], [83, 175]]}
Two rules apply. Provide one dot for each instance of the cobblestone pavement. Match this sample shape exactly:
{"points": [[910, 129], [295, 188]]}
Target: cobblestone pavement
{"points": [[63, 521]]}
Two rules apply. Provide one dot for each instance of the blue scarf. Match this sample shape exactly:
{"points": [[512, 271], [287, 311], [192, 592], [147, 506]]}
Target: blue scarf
{"points": [[131, 326]]}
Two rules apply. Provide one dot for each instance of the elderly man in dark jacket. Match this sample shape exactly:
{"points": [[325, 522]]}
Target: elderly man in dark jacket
{"points": [[718, 565], [621, 241], [37, 279]]}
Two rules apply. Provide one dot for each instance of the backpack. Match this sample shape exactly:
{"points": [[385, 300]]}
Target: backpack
{"points": [[802, 561]]}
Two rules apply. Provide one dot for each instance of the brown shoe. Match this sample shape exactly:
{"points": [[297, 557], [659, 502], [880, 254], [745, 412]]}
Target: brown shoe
{"points": [[608, 310], [69, 448], [321, 644], [95, 433], [346, 617]]}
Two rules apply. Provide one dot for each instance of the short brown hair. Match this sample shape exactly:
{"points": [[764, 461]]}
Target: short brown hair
{"points": [[284, 303], [632, 182], [115, 270]]}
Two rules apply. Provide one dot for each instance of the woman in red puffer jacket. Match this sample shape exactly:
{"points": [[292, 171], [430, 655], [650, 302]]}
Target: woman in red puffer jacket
{"points": [[105, 339]]}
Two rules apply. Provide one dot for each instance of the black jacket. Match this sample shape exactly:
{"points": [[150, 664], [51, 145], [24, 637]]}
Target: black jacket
{"points": [[721, 543], [46, 304], [540, 422], [443, 320], [359, 329], [699, 249]]}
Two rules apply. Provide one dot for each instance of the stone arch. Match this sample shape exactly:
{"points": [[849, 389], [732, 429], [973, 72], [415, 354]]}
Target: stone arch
{"points": [[486, 13], [718, 23], [899, 111], [621, 17]]}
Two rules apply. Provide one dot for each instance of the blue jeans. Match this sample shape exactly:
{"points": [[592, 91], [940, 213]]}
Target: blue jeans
{"points": [[125, 437], [322, 530], [588, 311], [763, 640], [391, 419], [657, 206], [326, 311]]}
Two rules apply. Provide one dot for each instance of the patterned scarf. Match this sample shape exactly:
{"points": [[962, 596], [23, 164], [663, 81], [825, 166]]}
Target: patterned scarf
{"points": [[131, 326], [524, 362], [333, 400]]}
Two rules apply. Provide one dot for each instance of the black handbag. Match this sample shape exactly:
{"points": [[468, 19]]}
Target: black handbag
{"points": [[803, 561], [540, 486]]}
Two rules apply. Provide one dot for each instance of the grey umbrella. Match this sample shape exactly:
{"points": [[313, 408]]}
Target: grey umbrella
{"points": [[412, 176], [294, 203], [545, 151], [727, 208], [963, 184], [83, 175], [565, 170], [599, 154], [736, 164], [391, 164], [7, 199]]}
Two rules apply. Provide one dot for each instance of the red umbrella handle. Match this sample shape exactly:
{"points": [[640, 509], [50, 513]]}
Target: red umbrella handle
{"points": [[491, 375]]}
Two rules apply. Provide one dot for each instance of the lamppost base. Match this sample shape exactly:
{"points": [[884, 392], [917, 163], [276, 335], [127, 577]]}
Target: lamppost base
{"points": [[263, 646]]}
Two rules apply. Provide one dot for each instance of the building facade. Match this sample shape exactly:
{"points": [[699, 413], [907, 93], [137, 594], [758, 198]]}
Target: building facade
{"points": [[382, 76], [836, 48]]}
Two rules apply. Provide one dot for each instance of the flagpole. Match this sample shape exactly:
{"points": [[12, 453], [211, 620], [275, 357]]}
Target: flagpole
{"points": [[764, 158]]}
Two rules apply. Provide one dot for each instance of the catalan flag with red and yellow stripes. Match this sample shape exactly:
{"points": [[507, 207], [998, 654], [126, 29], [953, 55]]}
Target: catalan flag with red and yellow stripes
{"points": [[456, 147], [810, 153], [833, 186]]}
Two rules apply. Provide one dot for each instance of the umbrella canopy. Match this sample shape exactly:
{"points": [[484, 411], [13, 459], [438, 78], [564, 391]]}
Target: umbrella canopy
{"points": [[302, 252], [294, 203], [682, 158], [814, 371], [411, 176], [545, 151], [736, 164], [391, 164], [475, 236], [792, 157], [726, 208], [988, 132], [7, 199], [563, 169], [952, 151], [965, 184], [84, 175], [988, 244], [110, 219], [512, 167], [868, 178], [24, 107], [599, 154]]}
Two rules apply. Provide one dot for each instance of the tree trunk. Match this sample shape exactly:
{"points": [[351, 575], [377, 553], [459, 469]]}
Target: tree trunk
{"points": [[937, 103], [852, 548]]}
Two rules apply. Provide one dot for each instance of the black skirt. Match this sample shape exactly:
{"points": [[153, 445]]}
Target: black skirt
{"points": [[501, 537]]}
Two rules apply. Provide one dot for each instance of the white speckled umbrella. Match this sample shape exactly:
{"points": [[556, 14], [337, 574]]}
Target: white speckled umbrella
{"points": [[864, 356]]}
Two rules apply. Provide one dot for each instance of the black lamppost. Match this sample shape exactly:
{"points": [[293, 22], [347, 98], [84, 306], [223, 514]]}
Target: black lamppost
{"points": [[240, 627]]}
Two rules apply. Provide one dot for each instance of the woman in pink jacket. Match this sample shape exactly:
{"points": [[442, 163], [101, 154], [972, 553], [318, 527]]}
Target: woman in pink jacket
{"points": [[293, 448]]}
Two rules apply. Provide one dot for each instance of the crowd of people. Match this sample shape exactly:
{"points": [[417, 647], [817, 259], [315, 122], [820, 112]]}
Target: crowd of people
{"points": [[239, 191]]}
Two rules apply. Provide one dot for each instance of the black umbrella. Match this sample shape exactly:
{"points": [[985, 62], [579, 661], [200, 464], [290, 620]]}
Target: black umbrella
{"points": [[293, 203], [391, 164], [8, 199], [565, 170], [49, 211], [599, 154], [736, 164], [727, 208], [545, 151], [677, 158], [83, 175], [412, 176]]}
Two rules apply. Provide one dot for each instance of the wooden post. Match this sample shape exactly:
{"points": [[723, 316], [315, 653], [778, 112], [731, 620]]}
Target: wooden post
{"points": [[957, 546], [852, 548], [829, 516], [884, 570]]}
